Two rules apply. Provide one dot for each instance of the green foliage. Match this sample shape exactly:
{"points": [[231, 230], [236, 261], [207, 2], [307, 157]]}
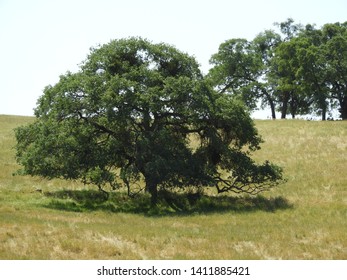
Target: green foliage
{"points": [[299, 70], [241, 68], [335, 51], [315, 72], [236, 70], [129, 117], [286, 65]]}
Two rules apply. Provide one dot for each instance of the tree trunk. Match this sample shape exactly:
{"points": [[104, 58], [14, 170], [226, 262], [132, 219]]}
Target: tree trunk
{"points": [[272, 106], [152, 188], [285, 105], [271, 103], [293, 107], [284, 110], [324, 114], [343, 108]]}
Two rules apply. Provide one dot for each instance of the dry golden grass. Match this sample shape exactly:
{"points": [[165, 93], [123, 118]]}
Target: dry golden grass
{"points": [[313, 155]]}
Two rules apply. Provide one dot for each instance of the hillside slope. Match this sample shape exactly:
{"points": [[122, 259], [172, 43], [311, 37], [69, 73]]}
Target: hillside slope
{"points": [[34, 224]]}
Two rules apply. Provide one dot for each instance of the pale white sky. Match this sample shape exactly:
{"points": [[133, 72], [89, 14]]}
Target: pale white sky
{"points": [[42, 39]]}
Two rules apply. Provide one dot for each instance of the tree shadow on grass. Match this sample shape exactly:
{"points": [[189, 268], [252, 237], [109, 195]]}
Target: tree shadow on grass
{"points": [[169, 204]]}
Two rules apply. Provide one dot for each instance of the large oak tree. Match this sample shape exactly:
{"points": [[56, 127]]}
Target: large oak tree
{"points": [[143, 112]]}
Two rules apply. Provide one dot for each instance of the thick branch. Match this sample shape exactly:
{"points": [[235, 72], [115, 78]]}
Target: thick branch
{"points": [[96, 125]]}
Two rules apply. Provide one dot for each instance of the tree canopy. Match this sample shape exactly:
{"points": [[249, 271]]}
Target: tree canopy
{"points": [[138, 113]]}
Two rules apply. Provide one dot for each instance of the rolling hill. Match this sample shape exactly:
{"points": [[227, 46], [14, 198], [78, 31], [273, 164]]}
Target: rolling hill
{"points": [[304, 218]]}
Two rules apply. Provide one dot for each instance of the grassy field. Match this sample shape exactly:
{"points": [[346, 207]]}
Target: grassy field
{"points": [[305, 218]]}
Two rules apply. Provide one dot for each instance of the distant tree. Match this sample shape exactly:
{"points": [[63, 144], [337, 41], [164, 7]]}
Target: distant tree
{"points": [[290, 97], [254, 70], [142, 112], [334, 37], [291, 88], [240, 69], [311, 73], [236, 69], [264, 45]]}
